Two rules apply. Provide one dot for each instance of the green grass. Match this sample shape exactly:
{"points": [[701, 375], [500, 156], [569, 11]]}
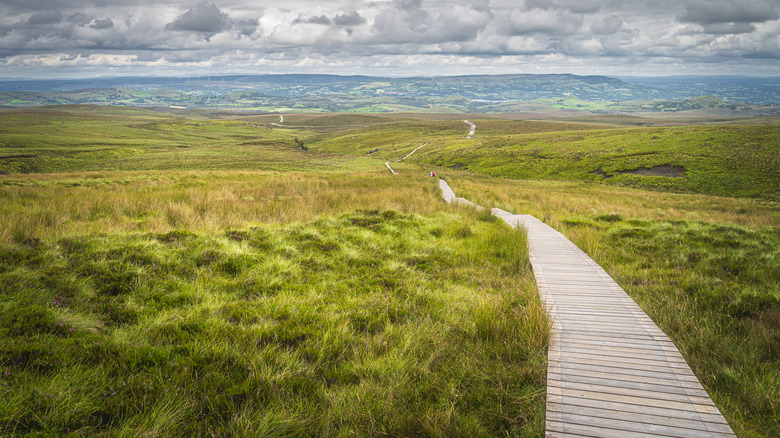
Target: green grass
{"points": [[368, 323], [705, 269], [83, 138], [727, 160], [53, 206], [202, 254]]}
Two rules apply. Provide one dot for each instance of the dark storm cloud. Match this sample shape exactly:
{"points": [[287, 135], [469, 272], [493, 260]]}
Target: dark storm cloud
{"points": [[204, 17]]}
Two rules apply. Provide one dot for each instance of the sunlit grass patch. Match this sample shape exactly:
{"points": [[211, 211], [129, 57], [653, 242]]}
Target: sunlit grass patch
{"points": [[372, 322], [55, 205]]}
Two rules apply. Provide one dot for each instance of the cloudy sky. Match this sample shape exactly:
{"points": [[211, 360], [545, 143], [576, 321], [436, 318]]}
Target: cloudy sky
{"points": [[84, 38]]}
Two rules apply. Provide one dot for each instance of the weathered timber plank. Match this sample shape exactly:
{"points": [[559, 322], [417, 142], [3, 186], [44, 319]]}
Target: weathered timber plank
{"points": [[623, 390], [684, 423]]}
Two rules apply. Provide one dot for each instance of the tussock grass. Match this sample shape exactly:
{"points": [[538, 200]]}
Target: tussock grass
{"points": [[56, 205], [704, 268], [367, 323]]}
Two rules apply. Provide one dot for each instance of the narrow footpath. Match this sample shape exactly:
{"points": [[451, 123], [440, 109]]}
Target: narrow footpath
{"points": [[611, 371], [473, 129]]}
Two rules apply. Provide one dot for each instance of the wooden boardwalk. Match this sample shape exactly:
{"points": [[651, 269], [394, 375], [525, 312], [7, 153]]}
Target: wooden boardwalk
{"points": [[611, 371]]}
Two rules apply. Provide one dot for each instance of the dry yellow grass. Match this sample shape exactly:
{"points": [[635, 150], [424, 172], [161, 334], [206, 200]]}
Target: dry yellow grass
{"points": [[554, 201], [55, 205]]}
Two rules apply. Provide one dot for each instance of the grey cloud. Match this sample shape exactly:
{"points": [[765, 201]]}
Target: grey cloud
{"points": [[538, 4], [727, 11], [49, 17], [348, 19], [78, 19], [407, 4], [607, 25], [102, 23], [345, 32], [245, 26], [321, 19], [406, 22], [204, 17], [761, 55], [576, 6], [727, 28], [551, 22], [581, 6], [396, 24]]}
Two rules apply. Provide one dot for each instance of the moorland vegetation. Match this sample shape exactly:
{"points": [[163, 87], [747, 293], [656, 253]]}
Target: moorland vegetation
{"points": [[197, 273]]}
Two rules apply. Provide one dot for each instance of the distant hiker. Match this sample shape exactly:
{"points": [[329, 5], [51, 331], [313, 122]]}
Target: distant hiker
{"points": [[433, 173]]}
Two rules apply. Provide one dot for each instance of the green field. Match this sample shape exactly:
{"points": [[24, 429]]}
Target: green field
{"points": [[728, 160], [171, 273]]}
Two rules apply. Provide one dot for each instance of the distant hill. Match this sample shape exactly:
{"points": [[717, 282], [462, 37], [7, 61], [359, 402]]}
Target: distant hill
{"points": [[319, 93]]}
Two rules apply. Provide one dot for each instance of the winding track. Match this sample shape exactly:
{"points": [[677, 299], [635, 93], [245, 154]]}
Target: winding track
{"points": [[611, 371], [473, 129]]}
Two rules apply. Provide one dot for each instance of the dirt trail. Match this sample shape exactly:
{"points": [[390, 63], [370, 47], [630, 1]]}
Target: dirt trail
{"points": [[473, 129]]}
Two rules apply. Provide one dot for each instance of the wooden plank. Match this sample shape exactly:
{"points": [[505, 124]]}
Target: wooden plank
{"points": [[659, 344], [627, 364], [554, 404], [666, 354], [627, 380], [623, 390], [639, 400], [683, 423], [677, 362], [615, 372], [668, 386], [585, 424]]}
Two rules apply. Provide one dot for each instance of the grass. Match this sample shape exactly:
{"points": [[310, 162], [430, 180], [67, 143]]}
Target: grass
{"points": [[704, 268], [83, 138], [52, 206], [726, 160], [194, 273], [368, 322]]}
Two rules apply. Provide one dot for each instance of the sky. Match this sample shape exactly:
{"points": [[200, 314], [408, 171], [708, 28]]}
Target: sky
{"points": [[91, 38]]}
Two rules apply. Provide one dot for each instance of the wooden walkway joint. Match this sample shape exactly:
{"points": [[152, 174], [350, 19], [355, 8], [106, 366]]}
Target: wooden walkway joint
{"points": [[611, 371]]}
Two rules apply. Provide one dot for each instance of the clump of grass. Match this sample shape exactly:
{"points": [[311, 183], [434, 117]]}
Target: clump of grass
{"points": [[49, 206], [370, 323]]}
